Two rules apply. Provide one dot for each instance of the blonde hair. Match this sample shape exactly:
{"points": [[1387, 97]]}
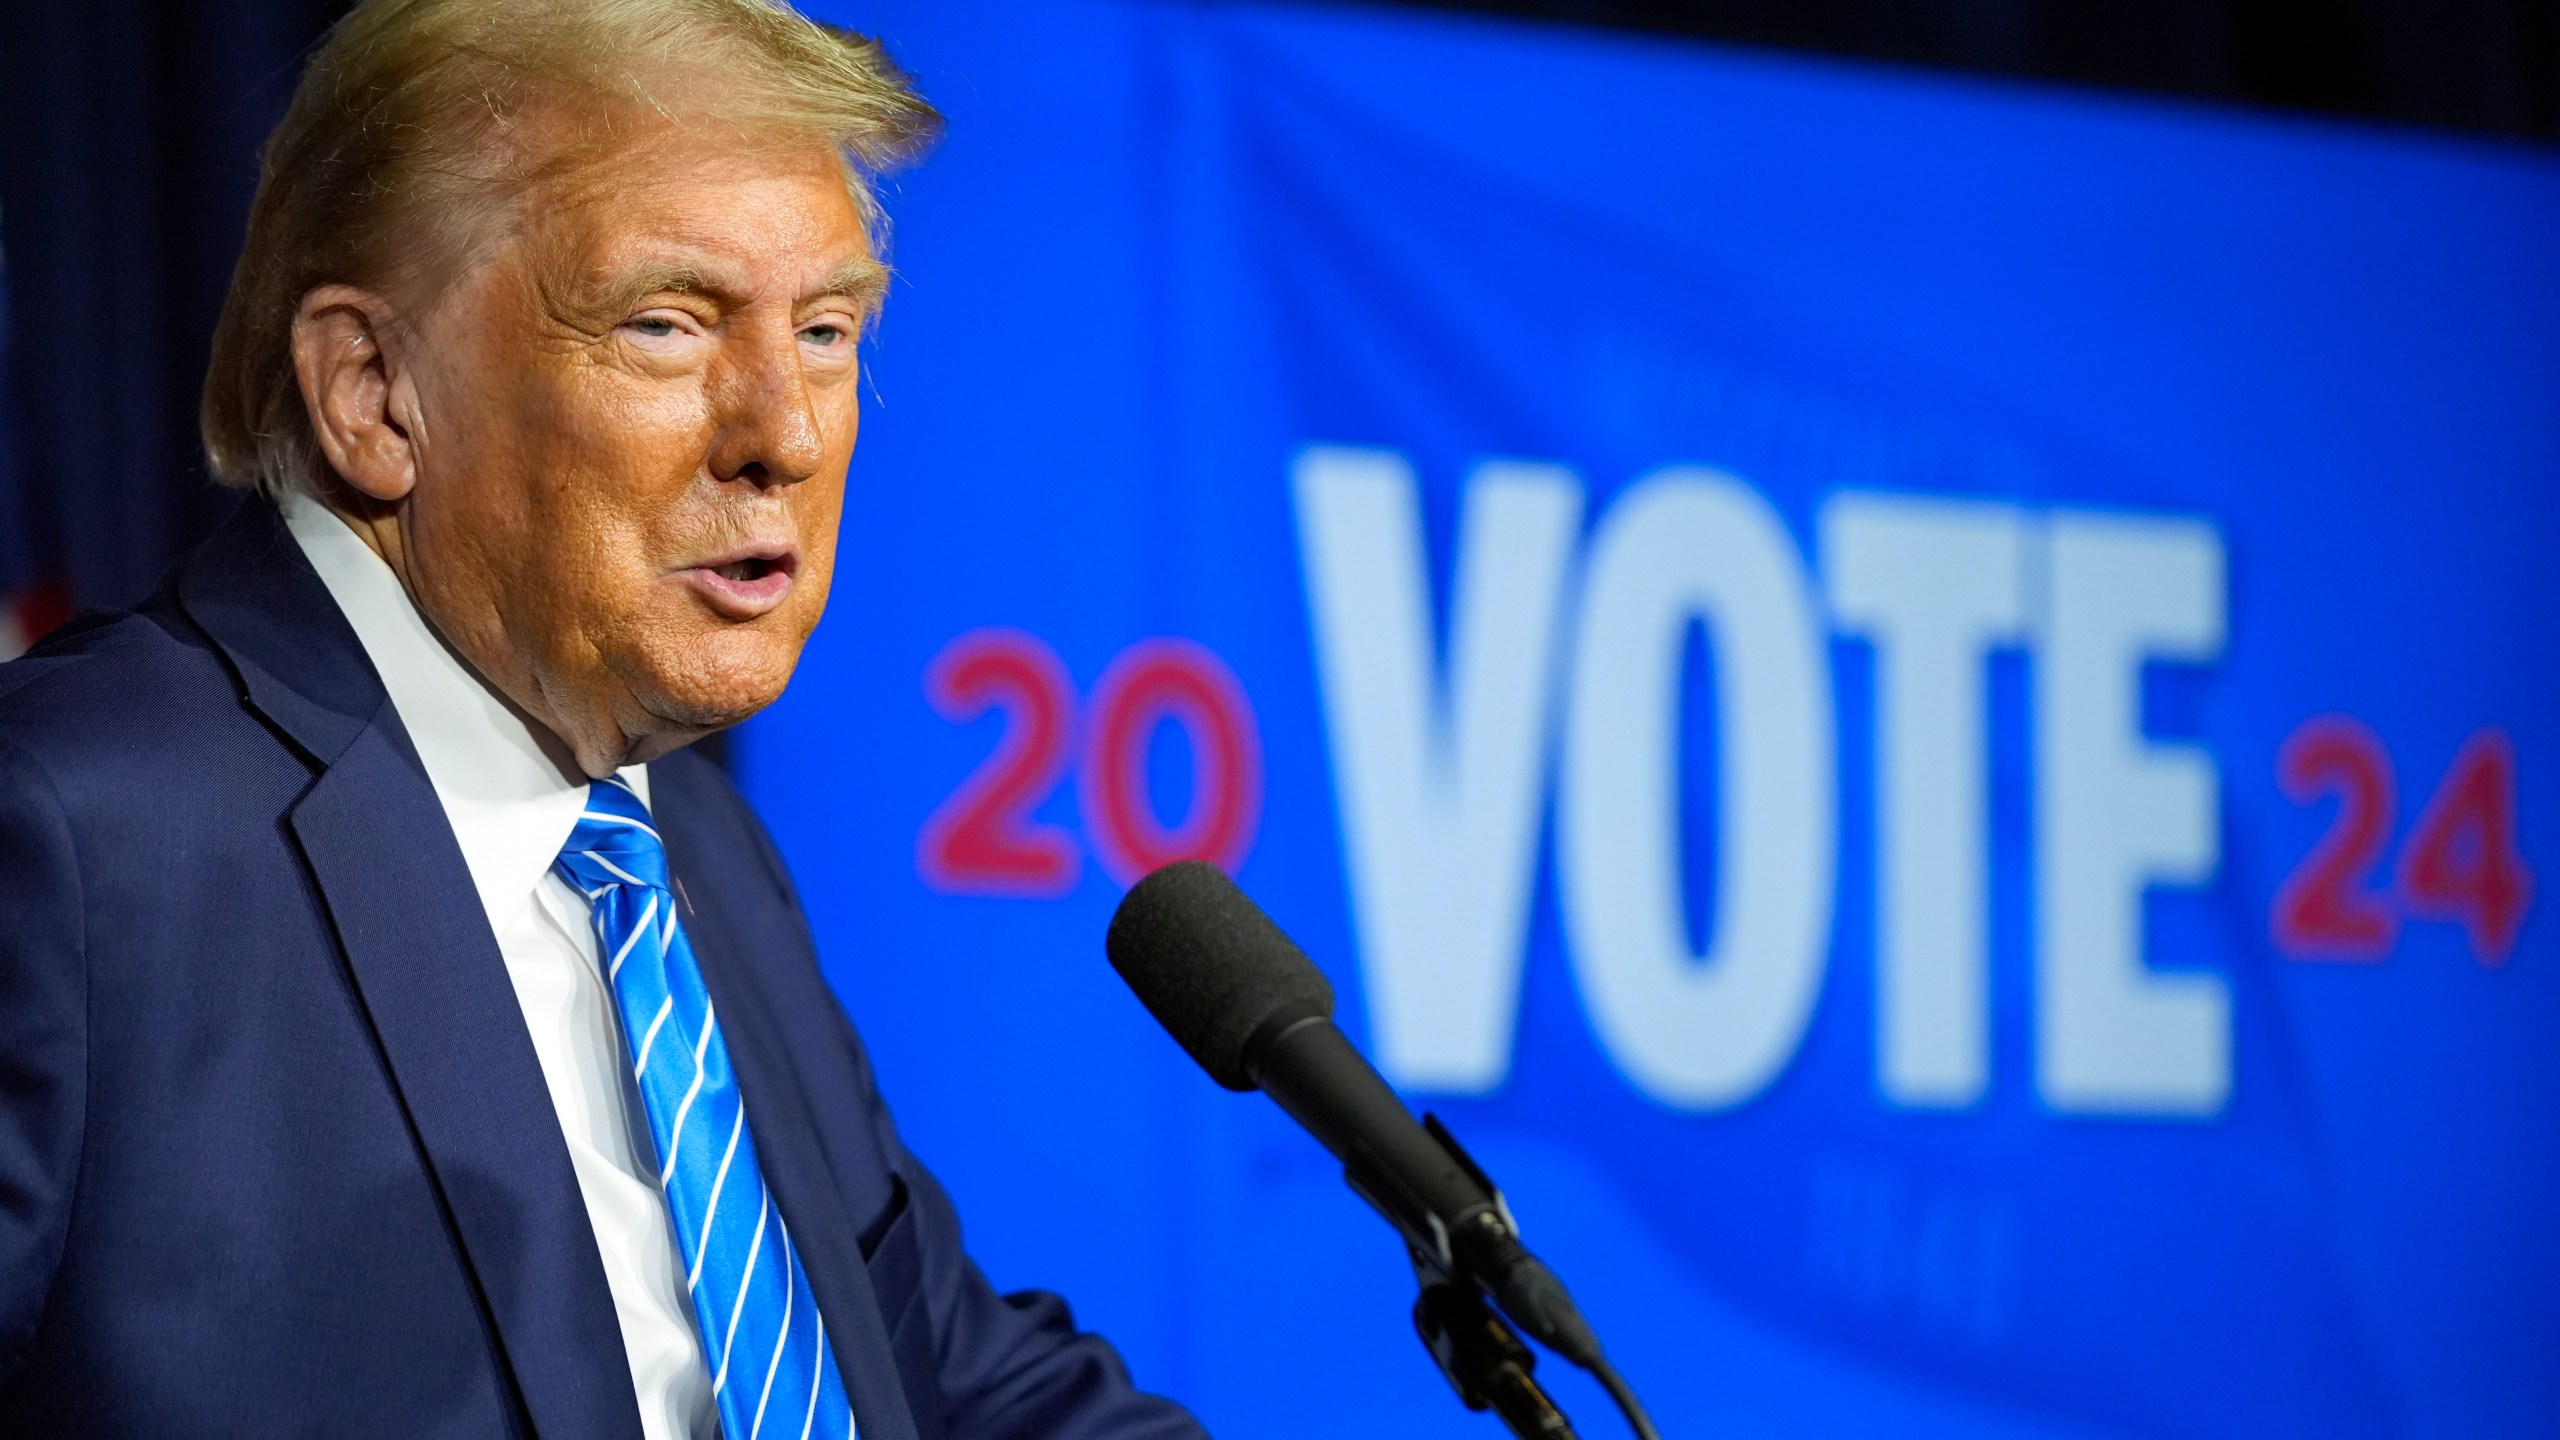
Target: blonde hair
{"points": [[395, 152]]}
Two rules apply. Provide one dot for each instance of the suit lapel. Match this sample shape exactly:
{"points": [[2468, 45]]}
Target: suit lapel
{"points": [[432, 983], [796, 1170], [445, 1013]]}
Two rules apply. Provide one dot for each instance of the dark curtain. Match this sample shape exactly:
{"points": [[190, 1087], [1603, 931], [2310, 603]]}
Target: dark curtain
{"points": [[129, 132]]}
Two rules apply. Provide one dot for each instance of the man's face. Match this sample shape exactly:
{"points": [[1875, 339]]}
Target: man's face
{"points": [[632, 427]]}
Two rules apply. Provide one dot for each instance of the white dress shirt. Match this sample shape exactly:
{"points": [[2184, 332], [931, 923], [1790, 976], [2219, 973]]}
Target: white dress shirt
{"points": [[512, 798]]}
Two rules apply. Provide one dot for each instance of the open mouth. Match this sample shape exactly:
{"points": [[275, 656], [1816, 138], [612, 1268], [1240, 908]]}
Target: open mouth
{"points": [[745, 586], [747, 571]]}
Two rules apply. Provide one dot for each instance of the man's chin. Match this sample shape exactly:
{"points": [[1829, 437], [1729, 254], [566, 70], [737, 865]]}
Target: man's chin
{"points": [[701, 711], [673, 722], [716, 686], [676, 692]]}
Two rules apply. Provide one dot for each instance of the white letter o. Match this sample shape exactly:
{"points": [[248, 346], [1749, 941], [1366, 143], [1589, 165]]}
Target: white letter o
{"points": [[1699, 1032]]}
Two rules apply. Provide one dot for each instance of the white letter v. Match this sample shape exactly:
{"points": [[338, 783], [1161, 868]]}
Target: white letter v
{"points": [[1440, 802]]}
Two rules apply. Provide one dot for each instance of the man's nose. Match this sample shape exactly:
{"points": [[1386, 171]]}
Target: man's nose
{"points": [[770, 430]]}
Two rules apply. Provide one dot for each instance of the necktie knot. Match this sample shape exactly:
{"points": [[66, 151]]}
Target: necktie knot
{"points": [[615, 843]]}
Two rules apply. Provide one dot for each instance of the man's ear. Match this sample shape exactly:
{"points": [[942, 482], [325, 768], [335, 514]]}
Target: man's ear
{"points": [[349, 382]]}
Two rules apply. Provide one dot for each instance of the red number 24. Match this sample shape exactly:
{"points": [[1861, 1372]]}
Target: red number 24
{"points": [[2460, 861]]}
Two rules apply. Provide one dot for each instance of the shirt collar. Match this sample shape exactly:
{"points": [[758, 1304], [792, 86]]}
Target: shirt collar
{"points": [[507, 785]]}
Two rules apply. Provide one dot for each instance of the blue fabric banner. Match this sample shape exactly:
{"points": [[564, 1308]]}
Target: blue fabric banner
{"points": [[1920, 707]]}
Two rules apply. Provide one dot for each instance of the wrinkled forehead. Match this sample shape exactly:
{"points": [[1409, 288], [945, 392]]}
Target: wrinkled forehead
{"points": [[596, 195], [709, 217]]}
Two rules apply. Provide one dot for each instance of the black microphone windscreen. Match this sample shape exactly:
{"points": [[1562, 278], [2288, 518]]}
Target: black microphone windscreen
{"points": [[1211, 967]]}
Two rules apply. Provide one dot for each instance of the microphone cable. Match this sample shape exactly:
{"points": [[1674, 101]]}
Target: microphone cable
{"points": [[1625, 1397]]}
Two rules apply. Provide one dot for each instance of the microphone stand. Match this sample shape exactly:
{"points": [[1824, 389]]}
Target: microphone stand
{"points": [[1484, 1359]]}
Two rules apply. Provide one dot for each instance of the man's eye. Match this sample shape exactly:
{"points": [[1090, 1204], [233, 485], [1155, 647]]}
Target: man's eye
{"points": [[823, 334], [656, 327]]}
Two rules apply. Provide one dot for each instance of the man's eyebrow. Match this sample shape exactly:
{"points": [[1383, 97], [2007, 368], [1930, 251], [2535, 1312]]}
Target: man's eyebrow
{"points": [[626, 290], [862, 279]]}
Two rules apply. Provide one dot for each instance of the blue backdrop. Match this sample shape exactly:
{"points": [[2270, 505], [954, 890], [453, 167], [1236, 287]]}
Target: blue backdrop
{"points": [[1922, 708]]}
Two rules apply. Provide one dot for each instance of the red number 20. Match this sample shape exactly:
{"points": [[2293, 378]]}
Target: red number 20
{"points": [[2460, 861], [982, 840]]}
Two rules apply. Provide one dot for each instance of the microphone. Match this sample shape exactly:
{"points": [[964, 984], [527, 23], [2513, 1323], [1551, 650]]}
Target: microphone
{"points": [[1256, 1014]]}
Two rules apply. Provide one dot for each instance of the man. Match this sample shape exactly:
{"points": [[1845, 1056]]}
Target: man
{"points": [[400, 1034]]}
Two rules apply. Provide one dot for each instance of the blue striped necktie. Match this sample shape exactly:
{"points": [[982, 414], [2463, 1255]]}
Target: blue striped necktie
{"points": [[767, 1344]]}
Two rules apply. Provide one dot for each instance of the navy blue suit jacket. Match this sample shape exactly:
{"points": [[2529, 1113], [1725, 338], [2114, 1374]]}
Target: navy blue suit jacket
{"points": [[276, 1157]]}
